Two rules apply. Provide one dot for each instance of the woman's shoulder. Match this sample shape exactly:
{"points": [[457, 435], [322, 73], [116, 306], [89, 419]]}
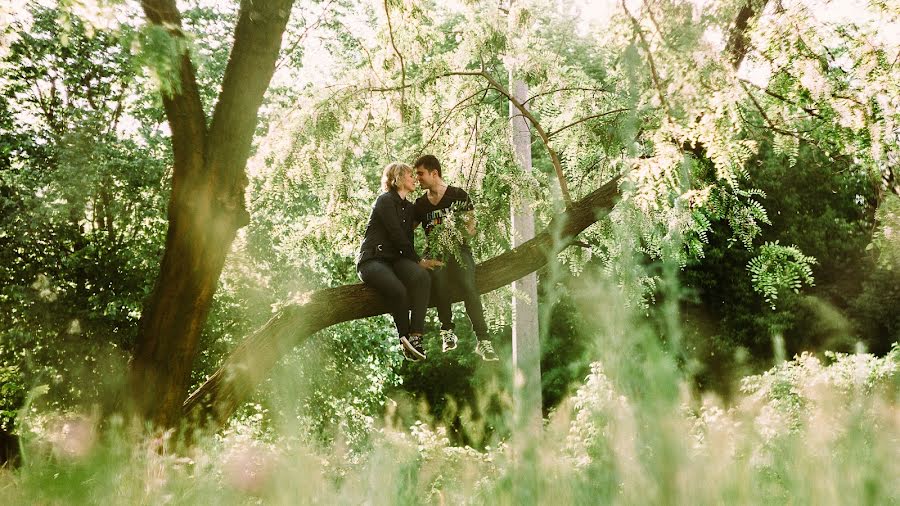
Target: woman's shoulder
{"points": [[386, 196]]}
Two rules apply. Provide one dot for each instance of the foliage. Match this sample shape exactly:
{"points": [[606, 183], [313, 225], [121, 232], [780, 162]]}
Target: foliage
{"points": [[874, 310], [801, 429], [722, 166], [778, 268], [794, 388], [82, 206]]}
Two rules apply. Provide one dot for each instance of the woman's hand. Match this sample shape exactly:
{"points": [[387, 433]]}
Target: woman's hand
{"points": [[430, 263]]}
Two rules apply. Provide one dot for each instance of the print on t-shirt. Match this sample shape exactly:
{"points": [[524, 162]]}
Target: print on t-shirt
{"points": [[445, 219]]}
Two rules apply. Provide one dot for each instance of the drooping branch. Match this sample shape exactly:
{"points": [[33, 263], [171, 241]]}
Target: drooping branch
{"points": [[554, 158], [586, 118], [450, 113], [253, 359], [654, 73], [387, 13], [302, 37]]}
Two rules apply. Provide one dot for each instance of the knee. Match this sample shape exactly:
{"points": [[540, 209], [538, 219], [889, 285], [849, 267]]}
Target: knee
{"points": [[467, 281], [396, 292], [422, 277]]}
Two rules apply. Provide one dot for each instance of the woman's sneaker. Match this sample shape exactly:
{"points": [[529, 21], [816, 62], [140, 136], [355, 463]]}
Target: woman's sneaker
{"points": [[406, 354], [485, 349], [413, 345], [448, 340]]}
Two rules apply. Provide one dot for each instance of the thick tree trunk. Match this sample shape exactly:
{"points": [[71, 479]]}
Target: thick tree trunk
{"points": [[206, 206], [252, 360]]}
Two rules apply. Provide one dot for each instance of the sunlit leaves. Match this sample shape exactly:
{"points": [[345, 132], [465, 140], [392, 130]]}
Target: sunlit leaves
{"points": [[777, 268], [162, 53]]}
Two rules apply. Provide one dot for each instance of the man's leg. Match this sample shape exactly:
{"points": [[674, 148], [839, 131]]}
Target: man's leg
{"points": [[440, 284], [463, 271], [439, 292]]}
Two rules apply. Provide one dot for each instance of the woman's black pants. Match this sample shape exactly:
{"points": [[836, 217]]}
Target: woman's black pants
{"points": [[404, 285]]}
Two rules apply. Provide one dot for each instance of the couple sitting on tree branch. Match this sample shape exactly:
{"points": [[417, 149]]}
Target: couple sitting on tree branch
{"points": [[389, 263]]}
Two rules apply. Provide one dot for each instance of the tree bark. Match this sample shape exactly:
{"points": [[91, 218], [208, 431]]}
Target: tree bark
{"points": [[251, 361], [206, 206], [738, 44]]}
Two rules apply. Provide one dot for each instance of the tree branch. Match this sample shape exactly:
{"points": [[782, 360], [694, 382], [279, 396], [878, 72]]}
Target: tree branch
{"points": [[737, 45], [557, 90], [810, 111], [257, 41], [250, 363], [586, 118], [184, 110], [387, 12], [554, 158]]}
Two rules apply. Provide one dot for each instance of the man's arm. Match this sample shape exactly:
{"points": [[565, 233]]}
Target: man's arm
{"points": [[428, 263], [469, 220], [469, 211]]}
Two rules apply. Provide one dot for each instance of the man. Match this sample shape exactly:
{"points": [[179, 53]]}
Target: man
{"points": [[446, 214]]}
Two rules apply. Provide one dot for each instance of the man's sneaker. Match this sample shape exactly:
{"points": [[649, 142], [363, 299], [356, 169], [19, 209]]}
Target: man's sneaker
{"points": [[413, 344], [406, 354], [485, 349], [448, 340]]}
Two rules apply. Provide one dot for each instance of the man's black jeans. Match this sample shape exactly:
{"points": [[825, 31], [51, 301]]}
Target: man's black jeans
{"points": [[458, 270], [404, 285]]}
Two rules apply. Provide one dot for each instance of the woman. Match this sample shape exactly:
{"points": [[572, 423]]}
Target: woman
{"points": [[388, 260]]}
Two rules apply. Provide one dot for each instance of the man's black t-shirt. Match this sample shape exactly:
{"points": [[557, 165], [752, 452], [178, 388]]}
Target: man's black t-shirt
{"points": [[455, 200], [431, 215]]}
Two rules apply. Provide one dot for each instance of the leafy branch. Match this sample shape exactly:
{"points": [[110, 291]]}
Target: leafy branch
{"points": [[778, 268]]}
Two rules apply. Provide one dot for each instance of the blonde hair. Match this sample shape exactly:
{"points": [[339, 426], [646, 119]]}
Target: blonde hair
{"points": [[392, 173]]}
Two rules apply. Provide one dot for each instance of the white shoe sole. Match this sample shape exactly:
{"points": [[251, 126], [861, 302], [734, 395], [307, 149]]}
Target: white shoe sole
{"points": [[410, 348]]}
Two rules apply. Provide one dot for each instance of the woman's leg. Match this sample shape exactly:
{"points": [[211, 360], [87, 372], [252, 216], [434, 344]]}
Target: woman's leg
{"points": [[418, 286], [381, 276]]}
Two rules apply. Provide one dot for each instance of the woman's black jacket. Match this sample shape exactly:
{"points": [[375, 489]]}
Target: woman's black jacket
{"points": [[389, 234]]}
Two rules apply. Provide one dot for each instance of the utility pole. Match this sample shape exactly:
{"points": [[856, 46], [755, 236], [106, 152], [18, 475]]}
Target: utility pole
{"points": [[526, 346]]}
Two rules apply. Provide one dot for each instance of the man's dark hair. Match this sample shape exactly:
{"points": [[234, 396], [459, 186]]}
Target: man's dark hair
{"points": [[429, 162]]}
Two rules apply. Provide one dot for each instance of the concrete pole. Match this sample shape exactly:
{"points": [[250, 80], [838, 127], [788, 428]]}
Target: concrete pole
{"points": [[526, 346]]}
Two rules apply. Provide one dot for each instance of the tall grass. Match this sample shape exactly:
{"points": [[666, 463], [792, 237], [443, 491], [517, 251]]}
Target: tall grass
{"points": [[808, 431]]}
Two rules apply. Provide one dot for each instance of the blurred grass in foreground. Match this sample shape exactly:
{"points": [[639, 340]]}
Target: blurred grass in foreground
{"points": [[804, 432]]}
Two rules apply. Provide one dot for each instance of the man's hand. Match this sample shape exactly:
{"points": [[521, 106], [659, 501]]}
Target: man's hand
{"points": [[430, 263]]}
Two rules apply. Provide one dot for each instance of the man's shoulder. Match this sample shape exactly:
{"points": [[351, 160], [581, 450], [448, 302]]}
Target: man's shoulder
{"points": [[459, 195], [456, 191], [422, 200]]}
